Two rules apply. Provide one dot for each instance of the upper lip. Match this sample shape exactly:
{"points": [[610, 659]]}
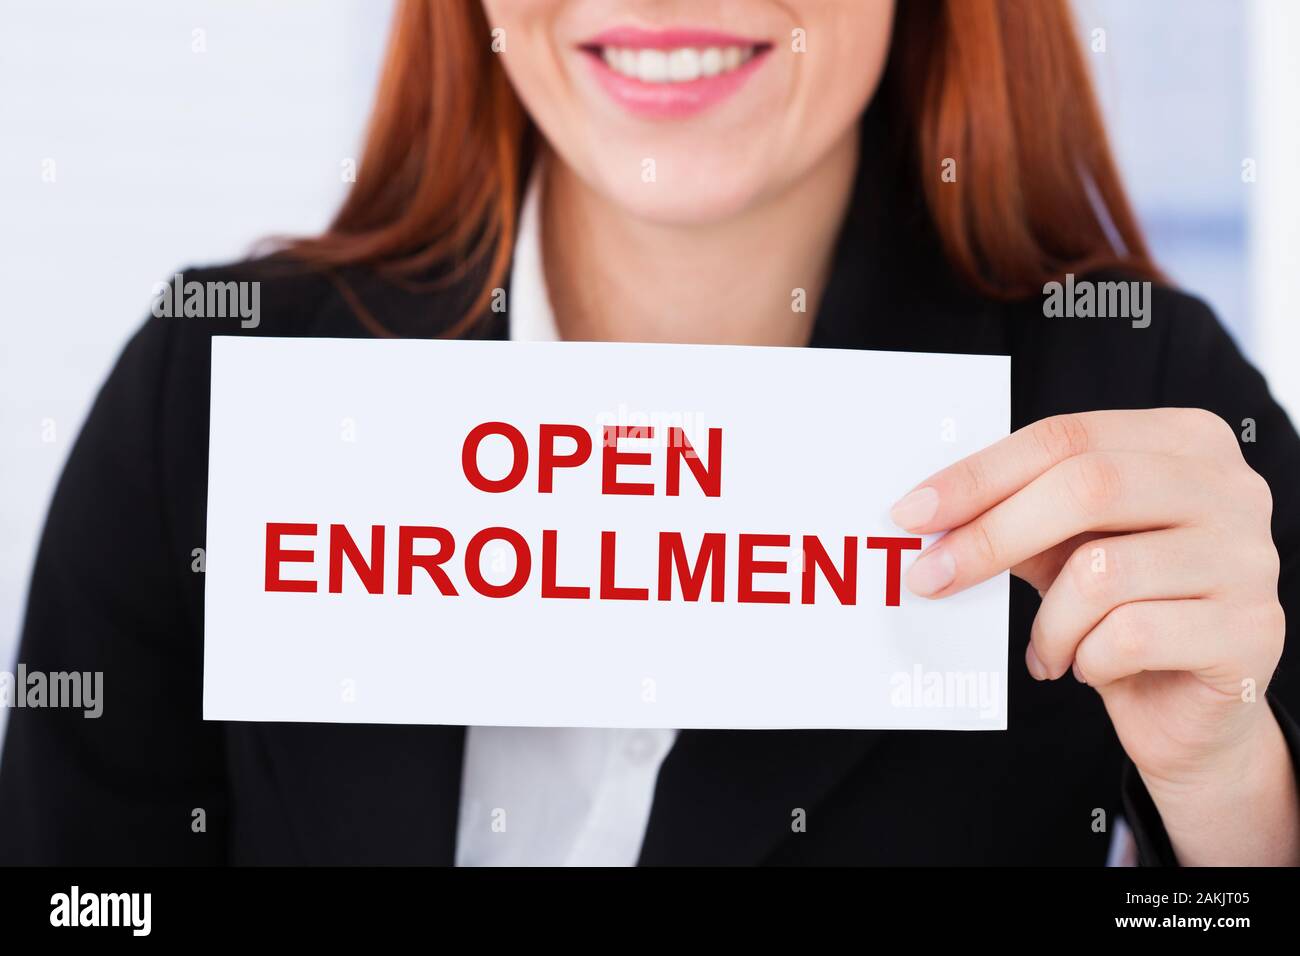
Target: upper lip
{"points": [[640, 38]]}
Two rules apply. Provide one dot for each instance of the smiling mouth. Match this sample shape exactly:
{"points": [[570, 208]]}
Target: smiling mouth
{"points": [[683, 64], [672, 73]]}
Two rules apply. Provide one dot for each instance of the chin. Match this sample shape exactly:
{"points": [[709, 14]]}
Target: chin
{"points": [[688, 190]]}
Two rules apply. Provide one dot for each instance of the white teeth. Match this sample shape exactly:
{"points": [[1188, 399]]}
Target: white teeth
{"points": [[681, 65], [652, 66]]}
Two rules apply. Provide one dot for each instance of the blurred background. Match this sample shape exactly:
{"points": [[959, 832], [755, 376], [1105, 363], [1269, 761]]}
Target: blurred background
{"points": [[138, 138]]}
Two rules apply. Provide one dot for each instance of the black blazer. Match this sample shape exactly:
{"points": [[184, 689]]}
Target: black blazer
{"points": [[113, 591]]}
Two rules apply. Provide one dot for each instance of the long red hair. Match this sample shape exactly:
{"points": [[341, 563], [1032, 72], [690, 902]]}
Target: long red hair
{"points": [[996, 92]]}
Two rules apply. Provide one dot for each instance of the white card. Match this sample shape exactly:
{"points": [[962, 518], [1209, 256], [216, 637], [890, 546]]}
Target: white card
{"points": [[323, 448]]}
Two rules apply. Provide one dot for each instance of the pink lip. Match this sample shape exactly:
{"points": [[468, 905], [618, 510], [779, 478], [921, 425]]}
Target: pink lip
{"points": [[639, 38], [671, 100]]}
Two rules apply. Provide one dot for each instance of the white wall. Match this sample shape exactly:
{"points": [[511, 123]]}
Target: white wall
{"points": [[164, 156], [1274, 27], [1173, 84], [1192, 89]]}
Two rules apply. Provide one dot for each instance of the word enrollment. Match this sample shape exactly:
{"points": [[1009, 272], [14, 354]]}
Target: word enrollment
{"points": [[739, 567]]}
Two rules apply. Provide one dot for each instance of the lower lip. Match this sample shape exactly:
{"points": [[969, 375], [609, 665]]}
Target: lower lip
{"points": [[674, 100]]}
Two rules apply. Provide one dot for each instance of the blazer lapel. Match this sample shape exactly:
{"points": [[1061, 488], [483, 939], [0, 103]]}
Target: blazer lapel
{"points": [[729, 797]]}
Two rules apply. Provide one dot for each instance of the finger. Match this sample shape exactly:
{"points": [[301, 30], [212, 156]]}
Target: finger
{"points": [[1105, 573], [1186, 635], [970, 487], [1099, 491], [1041, 569]]}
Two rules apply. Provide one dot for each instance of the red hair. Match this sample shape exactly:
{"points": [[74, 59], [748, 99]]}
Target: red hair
{"points": [[996, 92]]}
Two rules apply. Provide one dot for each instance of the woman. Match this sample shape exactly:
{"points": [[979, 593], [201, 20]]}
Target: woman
{"points": [[919, 173]]}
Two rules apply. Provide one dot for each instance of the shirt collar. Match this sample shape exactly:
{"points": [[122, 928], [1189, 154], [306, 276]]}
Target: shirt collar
{"points": [[531, 316]]}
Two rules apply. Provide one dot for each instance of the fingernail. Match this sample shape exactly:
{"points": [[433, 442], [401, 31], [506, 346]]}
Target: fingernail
{"points": [[915, 509], [931, 572], [1037, 669], [1078, 674]]}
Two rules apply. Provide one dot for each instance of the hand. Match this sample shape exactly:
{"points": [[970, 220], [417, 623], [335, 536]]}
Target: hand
{"points": [[1147, 535]]}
